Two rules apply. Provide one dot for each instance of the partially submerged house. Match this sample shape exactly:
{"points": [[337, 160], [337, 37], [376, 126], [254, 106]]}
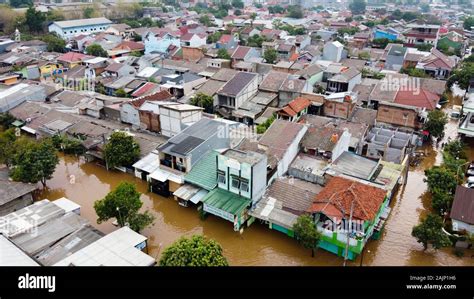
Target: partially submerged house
{"points": [[348, 211]]}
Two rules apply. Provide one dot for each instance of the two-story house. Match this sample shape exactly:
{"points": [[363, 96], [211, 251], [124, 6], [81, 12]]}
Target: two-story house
{"points": [[236, 91], [182, 151], [241, 182], [348, 212]]}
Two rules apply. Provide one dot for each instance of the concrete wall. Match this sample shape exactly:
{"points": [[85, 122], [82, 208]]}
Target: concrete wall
{"points": [[129, 114], [290, 153], [460, 226], [172, 121], [397, 116], [341, 146], [72, 31]]}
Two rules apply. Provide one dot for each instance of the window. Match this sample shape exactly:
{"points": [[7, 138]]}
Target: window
{"points": [[221, 177], [244, 186], [235, 183]]}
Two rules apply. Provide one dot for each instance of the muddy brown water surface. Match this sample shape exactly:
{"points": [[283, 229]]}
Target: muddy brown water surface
{"points": [[259, 245]]}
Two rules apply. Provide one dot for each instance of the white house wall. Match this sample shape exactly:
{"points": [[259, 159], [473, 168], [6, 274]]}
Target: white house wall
{"points": [[291, 153], [342, 145], [129, 115]]}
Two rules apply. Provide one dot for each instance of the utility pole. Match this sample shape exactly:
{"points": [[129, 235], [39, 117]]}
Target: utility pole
{"points": [[347, 233]]}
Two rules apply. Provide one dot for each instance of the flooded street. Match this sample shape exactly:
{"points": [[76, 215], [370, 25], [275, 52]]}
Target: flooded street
{"points": [[85, 183]]}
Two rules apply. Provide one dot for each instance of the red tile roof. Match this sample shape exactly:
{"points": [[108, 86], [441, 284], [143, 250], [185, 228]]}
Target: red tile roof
{"points": [[240, 52], [73, 57], [144, 89], [296, 106], [421, 98], [225, 38], [340, 194], [130, 45]]}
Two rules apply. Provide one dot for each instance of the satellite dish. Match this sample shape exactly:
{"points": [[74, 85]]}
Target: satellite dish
{"points": [[28, 119]]}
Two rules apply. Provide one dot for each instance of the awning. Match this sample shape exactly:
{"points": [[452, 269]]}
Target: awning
{"points": [[149, 163], [186, 191], [29, 130], [163, 175], [160, 175], [198, 196]]}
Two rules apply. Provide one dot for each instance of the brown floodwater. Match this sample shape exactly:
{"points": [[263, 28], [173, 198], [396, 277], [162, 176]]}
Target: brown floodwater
{"points": [[258, 245]]}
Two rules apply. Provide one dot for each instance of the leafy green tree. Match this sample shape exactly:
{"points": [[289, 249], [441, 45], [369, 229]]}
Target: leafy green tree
{"points": [[223, 54], [137, 37], [196, 251], [306, 232], [456, 149], [437, 119], [441, 201], [123, 204], [261, 128], [462, 75], [357, 7], [255, 41], [136, 54], [34, 161], [213, 38], [121, 93], [413, 72], [21, 3], [424, 47], [55, 43], [68, 146], [380, 42], [440, 179], [237, 3], [429, 231], [364, 55], [121, 150], [295, 12], [54, 15], [270, 55], [468, 23], [205, 20], [34, 19], [96, 50], [204, 101], [350, 31], [7, 140], [238, 12], [409, 16], [6, 120], [277, 9], [88, 12]]}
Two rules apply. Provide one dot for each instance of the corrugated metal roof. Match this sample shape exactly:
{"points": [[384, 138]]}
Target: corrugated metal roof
{"points": [[203, 174], [12, 255], [226, 201], [83, 22], [115, 249]]}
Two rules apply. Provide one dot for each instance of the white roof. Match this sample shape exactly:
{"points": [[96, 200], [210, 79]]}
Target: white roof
{"points": [[10, 255], [12, 90], [66, 204], [148, 72], [115, 249], [149, 163], [83, 22], [163, 175], [95, 60]]}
